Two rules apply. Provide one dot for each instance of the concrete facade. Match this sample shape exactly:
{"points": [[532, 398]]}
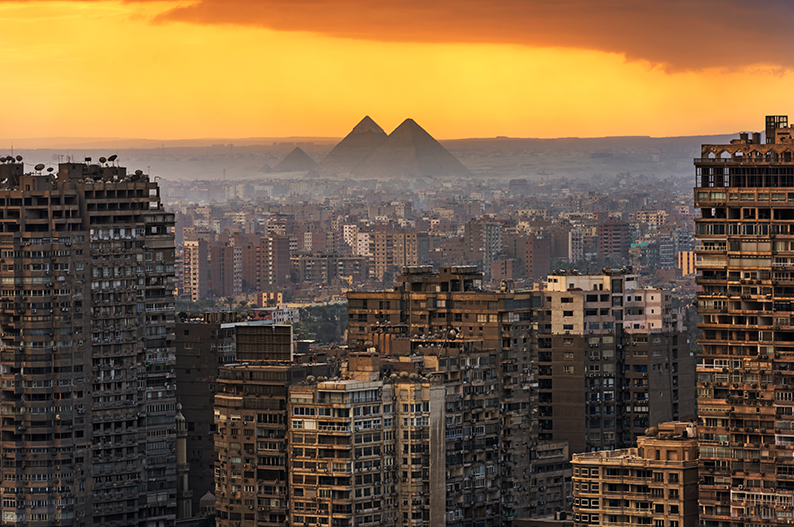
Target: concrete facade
{"points": [[87, 359], [654, 484], [367, 452], [613, 360], [745, 193], [450, 304]]}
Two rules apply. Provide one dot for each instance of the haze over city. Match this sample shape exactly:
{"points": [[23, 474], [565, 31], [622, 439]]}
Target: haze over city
{"points": [[343, 263]]}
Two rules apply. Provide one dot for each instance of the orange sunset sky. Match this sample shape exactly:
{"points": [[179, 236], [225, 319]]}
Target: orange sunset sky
{"points": [[276, 68]]}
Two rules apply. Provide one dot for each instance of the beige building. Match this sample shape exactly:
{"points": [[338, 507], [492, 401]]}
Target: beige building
{"points": [[195, 270], [613, 358], [654, 484], [687, 262], [745, 195], [251, 481], [367, 452]]}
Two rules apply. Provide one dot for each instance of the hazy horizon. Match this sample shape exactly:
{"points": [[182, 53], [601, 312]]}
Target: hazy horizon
{"points": [[59, 143]]}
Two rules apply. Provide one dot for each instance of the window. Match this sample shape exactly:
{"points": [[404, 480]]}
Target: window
{"points": [[567, 369]]}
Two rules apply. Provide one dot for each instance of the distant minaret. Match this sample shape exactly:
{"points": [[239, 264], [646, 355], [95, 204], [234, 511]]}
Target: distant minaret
{"points": [[184, 504]]}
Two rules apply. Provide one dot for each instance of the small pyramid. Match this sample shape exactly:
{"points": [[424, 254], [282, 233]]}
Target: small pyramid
{"points": [[266, 169], [356, 145], [410, 151], [296, 161]]}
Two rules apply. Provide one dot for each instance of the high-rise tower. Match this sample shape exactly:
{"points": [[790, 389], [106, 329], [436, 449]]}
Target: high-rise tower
{"points": [[745, 192], [87, 395], [451, 305]]}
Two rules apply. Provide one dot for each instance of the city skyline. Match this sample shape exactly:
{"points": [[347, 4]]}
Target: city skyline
{"points": [[170, 71]]}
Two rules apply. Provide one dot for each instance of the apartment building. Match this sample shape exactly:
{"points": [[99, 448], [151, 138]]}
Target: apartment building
{"points": [[328, 269], [745, 193], [203, 344], [655, 483], [87, 359], [393, 250], [614, 240], [483, 241], [272, 261], [195, 270], [613, 359], [452, 304], [251, 483], [226, 270], [367, 452], [474, 440]]}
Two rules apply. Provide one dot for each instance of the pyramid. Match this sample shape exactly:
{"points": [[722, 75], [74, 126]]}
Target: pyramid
{"points": [[296, 161], [356, 145], [410, 151]]}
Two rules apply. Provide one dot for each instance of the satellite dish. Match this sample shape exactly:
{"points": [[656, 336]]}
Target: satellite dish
{"points": [[50, 169], [19, 158], [87, 159], [139, 172], [2, 160], [39, 167], [112, 158], [102, 160]]}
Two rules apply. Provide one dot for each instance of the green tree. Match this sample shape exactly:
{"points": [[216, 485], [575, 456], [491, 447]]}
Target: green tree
{"points": [[326, 323]]}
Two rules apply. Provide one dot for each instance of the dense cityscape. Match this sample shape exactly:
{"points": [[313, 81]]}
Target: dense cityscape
{"points": [[330, 351]]}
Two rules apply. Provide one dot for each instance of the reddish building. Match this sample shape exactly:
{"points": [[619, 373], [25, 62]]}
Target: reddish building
{"points": [[226, 270], [532, 251], [614, 240], [273, 264], [537, 256], [506, 269], [248, 244]]}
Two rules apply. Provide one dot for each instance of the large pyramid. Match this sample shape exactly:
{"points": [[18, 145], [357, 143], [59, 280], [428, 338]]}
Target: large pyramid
{"points": [[409, 151], [352, 150], [296, 161]]}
